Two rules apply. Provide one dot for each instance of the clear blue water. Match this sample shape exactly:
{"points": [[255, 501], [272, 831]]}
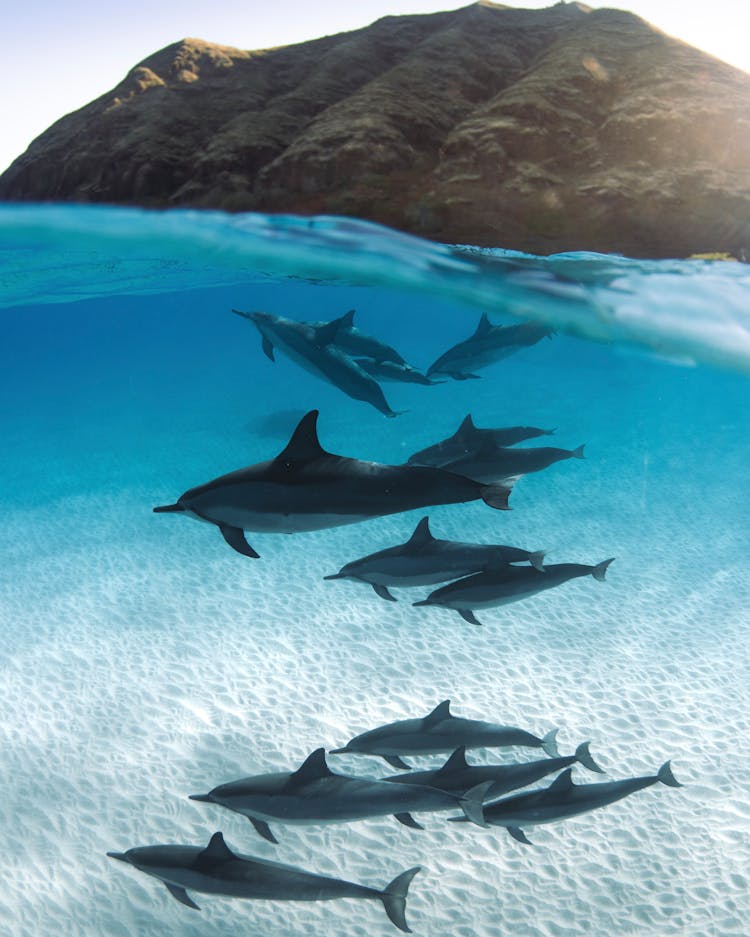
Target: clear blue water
{"points": [[143, 660]]}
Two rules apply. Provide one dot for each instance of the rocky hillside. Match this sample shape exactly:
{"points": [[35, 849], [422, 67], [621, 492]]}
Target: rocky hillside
{"points": [[544, 130]]}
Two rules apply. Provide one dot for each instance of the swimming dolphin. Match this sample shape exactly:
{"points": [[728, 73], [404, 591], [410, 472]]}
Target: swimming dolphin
{"points": [[563, 799], [424, 561], [311, 347], [216, 870], [469, 438], [456, 775], [314, 794], [493, 463], [506, 584], [390, 371], [306, 488], [488, 344], [347, 337], [440, 732]]}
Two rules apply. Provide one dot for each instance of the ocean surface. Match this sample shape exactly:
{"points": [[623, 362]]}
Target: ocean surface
{"points": [[143, 660]]}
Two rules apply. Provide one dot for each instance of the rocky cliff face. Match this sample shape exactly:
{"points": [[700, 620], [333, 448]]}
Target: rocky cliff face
{"points": [[543, 130]]}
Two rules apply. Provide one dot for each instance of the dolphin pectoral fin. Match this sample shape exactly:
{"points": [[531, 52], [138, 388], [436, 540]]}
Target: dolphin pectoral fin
{"points": [[468, 615], [408, 820], [236, 540], [519, 835], [263, 829], [395, 762], [268, 349], [182, 896], [383, 592]]}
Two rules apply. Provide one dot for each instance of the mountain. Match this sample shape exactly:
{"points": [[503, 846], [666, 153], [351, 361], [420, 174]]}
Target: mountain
{"points": [[544, 130]]}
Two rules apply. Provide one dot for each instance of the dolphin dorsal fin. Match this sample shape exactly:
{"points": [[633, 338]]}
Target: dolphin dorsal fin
{"points": [[484, 325], [440, 712], [215, 853], [456, 762], [422, 534], [467, 426], [563, 782], [313, 768], [326, 334], [304, 444], [347, 320]]}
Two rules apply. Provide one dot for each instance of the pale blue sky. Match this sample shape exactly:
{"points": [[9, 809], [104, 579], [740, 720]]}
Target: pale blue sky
{"points": [[58, 56]]}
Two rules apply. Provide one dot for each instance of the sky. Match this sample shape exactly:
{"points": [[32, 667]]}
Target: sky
{"points": [[59, 56]]}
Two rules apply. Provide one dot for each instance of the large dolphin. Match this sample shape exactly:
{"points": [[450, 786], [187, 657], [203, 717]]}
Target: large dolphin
{"points": [[311, 347], [469, 438], [423, 561], [457, 775], [216, 870], [493, 463], [488, 344], [505, 584], [563, 799], [399, 373], [352, 341], [313, 794], [307, 488], [438, 733]]}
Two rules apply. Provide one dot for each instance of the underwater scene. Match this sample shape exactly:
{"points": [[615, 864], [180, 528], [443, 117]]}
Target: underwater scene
{"points": [[463, 630]]}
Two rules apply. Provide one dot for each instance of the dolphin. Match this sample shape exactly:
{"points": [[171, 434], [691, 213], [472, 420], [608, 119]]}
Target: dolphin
{"points": [[390, 371], [488, 344], [347, 337], [306, 488], [563, 799], [423, 561], [216, 870], [469, 438], [506, 584], [493, 463], [456, 775], [438, 733], [314, 794], [311, 347]]}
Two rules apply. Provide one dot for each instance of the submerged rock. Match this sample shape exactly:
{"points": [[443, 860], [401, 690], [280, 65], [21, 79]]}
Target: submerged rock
{"points": [[543, 130]]}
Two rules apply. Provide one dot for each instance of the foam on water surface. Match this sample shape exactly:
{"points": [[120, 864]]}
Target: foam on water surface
{"points": [[143, 660]]}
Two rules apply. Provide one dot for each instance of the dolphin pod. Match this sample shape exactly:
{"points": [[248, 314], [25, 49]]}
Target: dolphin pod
{"points": [[424, 560], [440, 732], [506, 584], [469, 438], [314, 795], [217, 870], [564, 799], [306, 488]]}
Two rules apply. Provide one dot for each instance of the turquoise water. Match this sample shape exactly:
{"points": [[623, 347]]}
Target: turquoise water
{"points": [[143, 660]]}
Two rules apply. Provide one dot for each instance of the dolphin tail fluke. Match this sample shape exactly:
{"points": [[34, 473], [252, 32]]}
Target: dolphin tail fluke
{"points": [[169, 509], [549, 744], [600, 570], [472, 803], [394, 898], [496, 496], [578, 453], [537, 560], [665, 775], [585, 758]]}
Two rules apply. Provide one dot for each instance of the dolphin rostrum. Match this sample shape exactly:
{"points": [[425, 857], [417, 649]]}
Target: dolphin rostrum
{"points": [[505, 584], [217, 870], [306, 488], [423, 561], [313, 794], [563, 799], [438, 733], [312, 348], [488, 344], [469, 438], [399, 373], [493, 463], [457, 775]]}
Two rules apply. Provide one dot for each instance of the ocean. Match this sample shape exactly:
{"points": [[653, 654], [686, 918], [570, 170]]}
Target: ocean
{"points": [[144, 660]]}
